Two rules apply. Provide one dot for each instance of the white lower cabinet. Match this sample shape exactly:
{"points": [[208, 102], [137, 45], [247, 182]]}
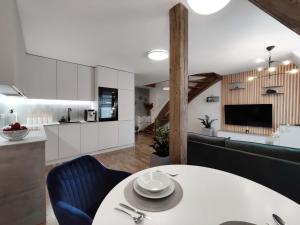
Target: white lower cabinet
{"points": [[126, 133], [89, 138], [69, 140], [108, 135], [52, 143]]}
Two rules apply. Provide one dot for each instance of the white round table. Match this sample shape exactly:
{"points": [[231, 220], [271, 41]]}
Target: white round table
{"points": [[210, 197]]}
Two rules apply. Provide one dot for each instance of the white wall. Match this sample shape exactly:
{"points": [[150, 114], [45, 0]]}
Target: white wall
{"points": [[159, 98], [197, 108], [12, 47]]}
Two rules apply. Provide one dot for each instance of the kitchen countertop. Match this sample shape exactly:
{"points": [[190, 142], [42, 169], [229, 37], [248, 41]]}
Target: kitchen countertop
{"points": [[36, 134], [58, 123]]}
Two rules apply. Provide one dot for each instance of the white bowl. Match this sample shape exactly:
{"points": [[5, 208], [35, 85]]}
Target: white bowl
{"points": [[154, 181], [15, 135], [154, 195]]}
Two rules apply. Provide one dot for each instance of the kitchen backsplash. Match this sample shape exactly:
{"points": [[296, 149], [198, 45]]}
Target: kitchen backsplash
{"points": [[41, 111]]}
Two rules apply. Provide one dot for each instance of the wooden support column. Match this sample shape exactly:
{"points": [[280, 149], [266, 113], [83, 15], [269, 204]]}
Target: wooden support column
{"points": [[178, 83]]}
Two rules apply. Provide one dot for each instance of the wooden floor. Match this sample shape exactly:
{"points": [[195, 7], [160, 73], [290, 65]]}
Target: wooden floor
{"points": [[131, 160]]}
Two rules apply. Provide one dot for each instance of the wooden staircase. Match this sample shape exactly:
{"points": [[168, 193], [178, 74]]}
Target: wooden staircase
{"points": [[198, 83]]}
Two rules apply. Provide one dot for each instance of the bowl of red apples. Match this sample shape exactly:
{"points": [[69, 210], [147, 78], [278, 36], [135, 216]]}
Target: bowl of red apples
{"points": [[14, 132]]}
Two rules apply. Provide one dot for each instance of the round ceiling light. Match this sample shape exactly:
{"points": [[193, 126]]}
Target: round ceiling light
{"points": [[206, 7], [158, 54]]}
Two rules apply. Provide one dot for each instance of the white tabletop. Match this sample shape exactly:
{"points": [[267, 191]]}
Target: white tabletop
{"points": [[210, 197]]}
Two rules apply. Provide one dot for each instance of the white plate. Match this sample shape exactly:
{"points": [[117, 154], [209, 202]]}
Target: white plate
{"points": [[154, 195], [153, 181]]}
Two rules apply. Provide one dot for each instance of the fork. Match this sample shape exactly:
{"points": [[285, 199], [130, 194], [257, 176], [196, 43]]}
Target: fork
{"points": [[136, 219], [134, 210]]}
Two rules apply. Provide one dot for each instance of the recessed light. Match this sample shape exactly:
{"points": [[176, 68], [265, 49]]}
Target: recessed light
{"points": [[293, 71], [158, 54], [259, 69], [259, 60], [206, 7], [272, 69], [286, 62], [166, 88]]}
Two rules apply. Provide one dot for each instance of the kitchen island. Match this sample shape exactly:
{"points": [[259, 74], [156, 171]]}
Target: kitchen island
{"points": [[22, 182]]}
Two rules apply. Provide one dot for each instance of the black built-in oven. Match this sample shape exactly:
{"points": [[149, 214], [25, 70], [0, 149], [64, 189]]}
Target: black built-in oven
{"points": [[108, 104]]}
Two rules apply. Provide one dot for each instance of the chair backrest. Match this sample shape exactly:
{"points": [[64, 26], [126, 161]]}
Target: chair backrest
{"points": [[81, 183]]}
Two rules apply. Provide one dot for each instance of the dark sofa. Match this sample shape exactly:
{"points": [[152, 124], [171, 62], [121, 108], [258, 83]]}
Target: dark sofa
{"points": [[275, 167]]}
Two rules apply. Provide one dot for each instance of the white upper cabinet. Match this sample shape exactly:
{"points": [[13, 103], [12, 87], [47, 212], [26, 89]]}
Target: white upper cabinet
{"points": [[106, 77], [126, 104], [125, 80], [86, 83], [89, 138], [39, 78], [67, 81]]}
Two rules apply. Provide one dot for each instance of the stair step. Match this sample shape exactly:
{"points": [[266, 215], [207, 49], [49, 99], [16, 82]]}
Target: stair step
{"points": [[197, 84]]}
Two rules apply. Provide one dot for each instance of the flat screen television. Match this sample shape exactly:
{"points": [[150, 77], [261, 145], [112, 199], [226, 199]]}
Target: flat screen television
{"points": [[258, 115]]}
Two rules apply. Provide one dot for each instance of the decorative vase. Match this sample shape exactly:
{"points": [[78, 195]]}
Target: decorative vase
{"points": [[156, 160], [207, 131]]}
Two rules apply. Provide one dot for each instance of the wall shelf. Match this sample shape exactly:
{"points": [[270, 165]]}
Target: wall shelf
{"points": [[273, 90], [237, 86]]}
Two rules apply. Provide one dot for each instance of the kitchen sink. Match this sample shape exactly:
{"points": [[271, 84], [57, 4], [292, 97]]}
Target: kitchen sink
{"points": [[70, 122]]}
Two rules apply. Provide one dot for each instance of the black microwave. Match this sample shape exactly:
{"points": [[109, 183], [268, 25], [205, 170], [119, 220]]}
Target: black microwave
{"points": [[107, 104]]}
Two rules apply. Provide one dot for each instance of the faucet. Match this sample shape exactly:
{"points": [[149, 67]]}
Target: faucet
{"points": [[69, 114]]}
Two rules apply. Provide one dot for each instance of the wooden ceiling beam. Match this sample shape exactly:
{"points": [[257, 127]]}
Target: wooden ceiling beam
{"points": [[286, 12]]}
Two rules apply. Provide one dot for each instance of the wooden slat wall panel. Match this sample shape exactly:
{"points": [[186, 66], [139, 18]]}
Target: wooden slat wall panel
{"points": [[286, 107]]}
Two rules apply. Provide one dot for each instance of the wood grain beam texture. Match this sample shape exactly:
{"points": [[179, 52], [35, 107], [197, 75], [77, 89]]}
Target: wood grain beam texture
{"points": [[178, 83], [285, 11]]}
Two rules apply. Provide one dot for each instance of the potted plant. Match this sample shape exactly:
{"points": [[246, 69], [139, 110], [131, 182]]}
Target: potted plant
{"points": [[148, 107], [160, 145], [207, 122]]}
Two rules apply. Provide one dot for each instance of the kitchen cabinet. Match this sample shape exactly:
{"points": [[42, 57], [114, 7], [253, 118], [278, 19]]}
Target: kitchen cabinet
{"points": [[108, 135], [67, 81], [69, 140], [38, 79], [51, 148], [86, 83], [106, 77], [125, 80], [126, 105], [126, 133], [89, 137]]}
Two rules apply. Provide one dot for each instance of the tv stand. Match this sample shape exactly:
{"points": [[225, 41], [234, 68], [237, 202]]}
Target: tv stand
{"points": [[288, 137], [243, 136]]}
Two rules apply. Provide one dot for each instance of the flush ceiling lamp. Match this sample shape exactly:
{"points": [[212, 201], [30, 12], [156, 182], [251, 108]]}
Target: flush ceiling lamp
{"points": [[158, 55], [271, 69], [207, 7]]}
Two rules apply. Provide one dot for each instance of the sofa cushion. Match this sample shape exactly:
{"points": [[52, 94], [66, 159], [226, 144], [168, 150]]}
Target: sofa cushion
{"points": [[280, 152], [219, 141]]}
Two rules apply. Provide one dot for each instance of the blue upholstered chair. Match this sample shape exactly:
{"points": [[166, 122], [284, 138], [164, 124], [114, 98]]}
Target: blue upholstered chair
{"points": [[77, 188]]}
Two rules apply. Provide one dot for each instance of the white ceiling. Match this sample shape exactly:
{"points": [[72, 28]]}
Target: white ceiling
{"points": [[118, 33]]}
